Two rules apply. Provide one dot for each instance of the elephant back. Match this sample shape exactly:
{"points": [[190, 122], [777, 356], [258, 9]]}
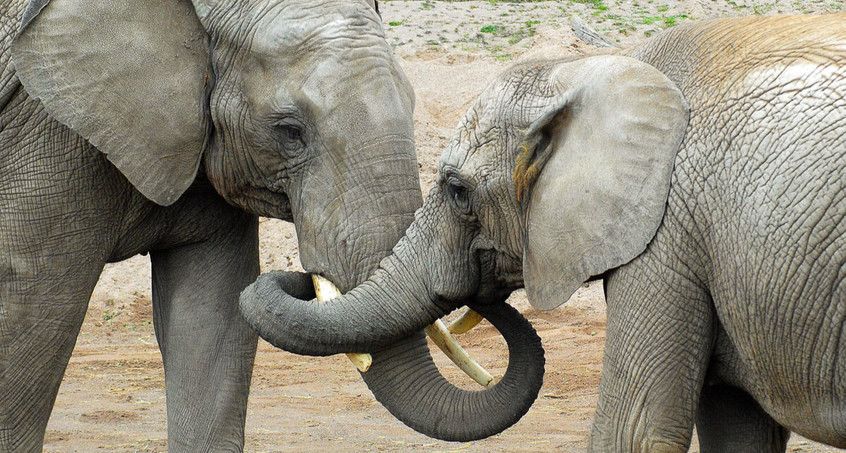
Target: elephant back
{"points": [[710, 59]]}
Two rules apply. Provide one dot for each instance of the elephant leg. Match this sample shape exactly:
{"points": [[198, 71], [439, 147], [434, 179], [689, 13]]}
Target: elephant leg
{"points": [[44, 293], [730, 420], [207, 347], [659, 341]]}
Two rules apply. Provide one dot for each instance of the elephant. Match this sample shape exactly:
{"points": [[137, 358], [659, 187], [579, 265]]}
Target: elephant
{"points": [[168, 127], [699, 173]]}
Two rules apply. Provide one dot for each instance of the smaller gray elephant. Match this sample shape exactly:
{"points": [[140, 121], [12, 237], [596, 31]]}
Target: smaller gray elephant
{"points": [[701, 174]]}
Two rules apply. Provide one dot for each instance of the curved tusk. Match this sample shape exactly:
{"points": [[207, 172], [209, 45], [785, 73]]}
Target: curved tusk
{"points": [[325, 290], [440, 335], [438, 332], [465, 322]]}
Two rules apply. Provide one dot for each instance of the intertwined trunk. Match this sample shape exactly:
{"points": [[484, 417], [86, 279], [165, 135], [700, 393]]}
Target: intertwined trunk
{"points": [[386, 316]]}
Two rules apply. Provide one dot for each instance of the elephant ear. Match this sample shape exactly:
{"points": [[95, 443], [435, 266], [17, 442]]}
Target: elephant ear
{"points": [[602, 155], [129, 77]]}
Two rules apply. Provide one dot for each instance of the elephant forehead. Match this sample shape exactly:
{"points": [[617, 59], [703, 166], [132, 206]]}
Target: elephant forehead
{"points": [[300, 27], [473, 151], [503, 110], [463, 141]]}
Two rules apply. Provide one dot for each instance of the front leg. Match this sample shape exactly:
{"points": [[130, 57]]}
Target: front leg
{"points": [[207, 348], [45, 284], [659, 341]]}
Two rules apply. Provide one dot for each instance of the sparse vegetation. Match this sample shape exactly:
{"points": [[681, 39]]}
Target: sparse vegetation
{"points": [[502, 32]]}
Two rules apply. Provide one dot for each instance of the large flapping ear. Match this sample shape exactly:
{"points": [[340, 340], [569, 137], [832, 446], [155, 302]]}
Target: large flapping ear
{"points": [[129, 77], [599, 162]]}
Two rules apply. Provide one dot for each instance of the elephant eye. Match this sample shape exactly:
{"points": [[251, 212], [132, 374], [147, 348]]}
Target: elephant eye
{"points": [[292, 139], [458, 195]]}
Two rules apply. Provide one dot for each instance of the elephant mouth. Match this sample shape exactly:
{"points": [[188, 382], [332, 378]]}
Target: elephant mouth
{"points": [[265, 203], [500, 276]]}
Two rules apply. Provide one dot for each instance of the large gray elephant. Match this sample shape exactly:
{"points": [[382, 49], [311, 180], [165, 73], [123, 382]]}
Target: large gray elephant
{"points": [[166, 126], [701, 173]]}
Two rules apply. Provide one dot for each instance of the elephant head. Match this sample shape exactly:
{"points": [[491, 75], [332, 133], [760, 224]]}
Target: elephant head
{"points": [[292, 109], [559, 172]]}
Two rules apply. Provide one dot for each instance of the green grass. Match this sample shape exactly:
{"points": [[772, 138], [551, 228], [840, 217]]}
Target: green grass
{"points": [[670, 21]]}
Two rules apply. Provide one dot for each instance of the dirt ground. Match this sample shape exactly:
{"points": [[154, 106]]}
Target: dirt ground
{"points": [[112, 397]]}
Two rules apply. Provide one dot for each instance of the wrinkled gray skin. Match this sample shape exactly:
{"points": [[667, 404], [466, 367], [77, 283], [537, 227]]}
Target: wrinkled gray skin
{"points": [[166, 127], [702, 175]]}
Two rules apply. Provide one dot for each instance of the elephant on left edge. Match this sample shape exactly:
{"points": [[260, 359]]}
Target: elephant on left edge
{"points": [[167, 127]]}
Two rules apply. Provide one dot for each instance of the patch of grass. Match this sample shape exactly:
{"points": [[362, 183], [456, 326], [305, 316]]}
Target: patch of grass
{"points": [[395, 23], [490, 28], [734, 5], [670, 21], [760, 10], [133, 326], [501, 56], [597, 5], [623, 25]]}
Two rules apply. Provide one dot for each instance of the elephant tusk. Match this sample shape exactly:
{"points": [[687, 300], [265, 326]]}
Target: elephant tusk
{"points": [[440, 335], [438, 332], [465, 322], [325, 290]]}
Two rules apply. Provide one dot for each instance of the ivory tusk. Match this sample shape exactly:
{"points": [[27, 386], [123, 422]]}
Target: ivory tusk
{"points": [[465, 322], [438, 332], [325, 290], [440, 335]]}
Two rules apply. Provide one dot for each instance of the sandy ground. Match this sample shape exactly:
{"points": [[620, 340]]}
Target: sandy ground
{"points": [[112, 397]]}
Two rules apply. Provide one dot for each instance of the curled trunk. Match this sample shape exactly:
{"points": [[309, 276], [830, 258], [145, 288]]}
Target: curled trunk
{"points": [[385, 316], [403, 377], [279, 306], [406, 381]]}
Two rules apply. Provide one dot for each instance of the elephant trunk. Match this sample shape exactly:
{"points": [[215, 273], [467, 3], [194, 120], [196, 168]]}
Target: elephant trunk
{"points": [[385, 316], [279, 308], [407, 382], [398, 299], [403, 376]]}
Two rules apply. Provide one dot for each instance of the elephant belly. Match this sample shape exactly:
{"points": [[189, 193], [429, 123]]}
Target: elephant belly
{"points": [[778, 285], [803, 399]]}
